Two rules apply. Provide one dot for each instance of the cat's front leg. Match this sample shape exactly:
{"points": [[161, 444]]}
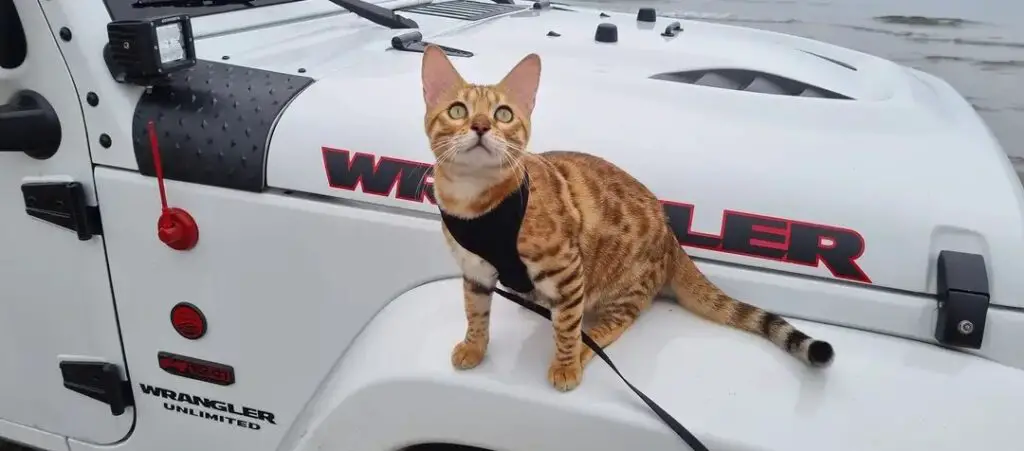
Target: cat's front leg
{"points": [[471, 350], [478, 281]]}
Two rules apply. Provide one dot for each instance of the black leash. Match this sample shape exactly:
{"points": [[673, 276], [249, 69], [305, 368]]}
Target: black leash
{"points": [[671, 422]]}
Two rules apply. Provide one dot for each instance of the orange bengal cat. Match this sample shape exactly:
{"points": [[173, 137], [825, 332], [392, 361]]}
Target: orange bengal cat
{"points": [[565, 229]]}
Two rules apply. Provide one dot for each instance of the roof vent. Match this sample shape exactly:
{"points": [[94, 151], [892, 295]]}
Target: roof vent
{"points": [[750, 81], [463, 9]]}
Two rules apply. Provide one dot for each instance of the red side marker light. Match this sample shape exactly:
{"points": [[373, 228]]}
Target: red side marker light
{"points": [[198, 369], [175, 228], [188, 320]]}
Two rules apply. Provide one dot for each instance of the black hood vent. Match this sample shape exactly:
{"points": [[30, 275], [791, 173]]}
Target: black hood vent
{"points": [[750, 81], [462, 9]]}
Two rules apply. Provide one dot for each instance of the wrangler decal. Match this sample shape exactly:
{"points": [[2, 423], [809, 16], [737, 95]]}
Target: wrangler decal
{"points": [[378, 176], [193, 405], [752, 235], [778, 239]]}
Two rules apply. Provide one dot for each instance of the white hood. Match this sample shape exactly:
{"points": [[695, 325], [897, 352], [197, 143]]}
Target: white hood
{"points": [[904, 164]]}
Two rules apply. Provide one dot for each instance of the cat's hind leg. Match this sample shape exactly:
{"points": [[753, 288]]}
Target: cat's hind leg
{"points": [[613, 318]]}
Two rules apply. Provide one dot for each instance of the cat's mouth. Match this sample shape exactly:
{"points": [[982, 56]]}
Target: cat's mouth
{"points": [[478, 156], [478, 152]]}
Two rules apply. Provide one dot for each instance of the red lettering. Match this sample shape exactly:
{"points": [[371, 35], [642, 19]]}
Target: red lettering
{"points": [[747, 234]]}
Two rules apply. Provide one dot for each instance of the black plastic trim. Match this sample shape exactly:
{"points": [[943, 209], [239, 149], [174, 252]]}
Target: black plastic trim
{"points": [[100, 381], [463, 9], [214, 123], [962, 291], [672, 29], [29, 124], [749, 81], [62, 204], [13, 43], [413, 42]]}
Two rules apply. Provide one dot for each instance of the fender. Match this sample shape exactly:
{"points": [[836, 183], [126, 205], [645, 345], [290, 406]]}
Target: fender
{"points": [[393, 390], [753, 235]]}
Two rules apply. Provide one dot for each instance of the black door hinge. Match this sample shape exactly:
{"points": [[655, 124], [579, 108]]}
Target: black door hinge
{"points": [[100, 381], [963, 296], [62, 204]]}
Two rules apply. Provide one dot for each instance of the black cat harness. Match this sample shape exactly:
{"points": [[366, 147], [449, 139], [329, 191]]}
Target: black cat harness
{"points": [[494, 237]]}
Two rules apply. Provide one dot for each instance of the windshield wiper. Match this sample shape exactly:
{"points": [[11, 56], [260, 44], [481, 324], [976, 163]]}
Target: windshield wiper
{"points": [[376, 14], [369, 11]]}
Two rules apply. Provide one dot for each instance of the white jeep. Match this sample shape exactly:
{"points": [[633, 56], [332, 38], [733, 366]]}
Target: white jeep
{"points": [[294, 293]]}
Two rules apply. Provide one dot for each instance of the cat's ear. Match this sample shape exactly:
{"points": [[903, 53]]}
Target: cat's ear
{"points": [[522, 81], [439, 75]]}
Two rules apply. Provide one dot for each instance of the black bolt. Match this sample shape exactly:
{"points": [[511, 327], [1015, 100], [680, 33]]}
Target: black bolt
{"points": [[554, 34], [105, 141], [302, 70], [65, 33], [646, 15], [92, 98], [604, 15], [225, 57], [606, 32]]}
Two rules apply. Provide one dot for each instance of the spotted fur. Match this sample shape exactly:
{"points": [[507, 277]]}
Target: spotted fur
{"points": [[593, 238]]}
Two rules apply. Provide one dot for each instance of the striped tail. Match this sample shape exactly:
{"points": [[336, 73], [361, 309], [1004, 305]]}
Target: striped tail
{"points": [[697, 294]]}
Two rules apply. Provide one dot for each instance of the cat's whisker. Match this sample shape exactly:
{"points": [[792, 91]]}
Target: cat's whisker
{"points": [[448, 148], [509, 153], [446, 142], [514, 164], [516, 148], [449, 152], [423, 178], [452, 152]]}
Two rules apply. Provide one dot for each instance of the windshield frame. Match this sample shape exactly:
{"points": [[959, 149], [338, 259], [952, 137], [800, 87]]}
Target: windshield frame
{"points": [[123, 10]]}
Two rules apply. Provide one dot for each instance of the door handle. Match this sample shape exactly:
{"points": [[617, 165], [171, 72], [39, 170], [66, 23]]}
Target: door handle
{"points": [[28, 123]]}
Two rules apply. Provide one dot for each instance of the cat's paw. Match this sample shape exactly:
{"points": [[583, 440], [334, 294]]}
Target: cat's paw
{"points": [[565, 377], [468, 355]]}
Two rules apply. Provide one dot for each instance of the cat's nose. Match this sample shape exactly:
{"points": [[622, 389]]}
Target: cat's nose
{"points": [[480, 125]]}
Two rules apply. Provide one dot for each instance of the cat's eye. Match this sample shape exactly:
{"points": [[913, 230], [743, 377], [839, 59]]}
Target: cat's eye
{"points": [[503, 114], [457, 111]]}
